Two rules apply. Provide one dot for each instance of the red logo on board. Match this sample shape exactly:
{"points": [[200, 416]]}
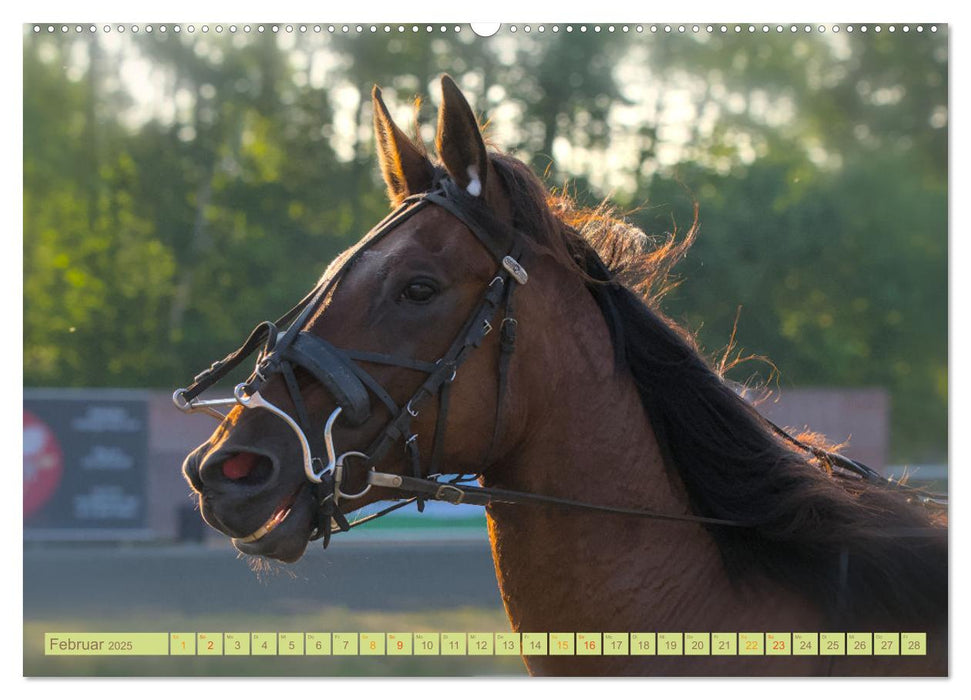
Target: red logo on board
{"points": [[43, 463]]}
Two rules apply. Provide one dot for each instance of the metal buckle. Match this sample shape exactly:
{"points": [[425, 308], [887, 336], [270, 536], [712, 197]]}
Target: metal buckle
{"points": [[197, 406], [441, 361], [339, 477], [512, 266], [443, 492]]}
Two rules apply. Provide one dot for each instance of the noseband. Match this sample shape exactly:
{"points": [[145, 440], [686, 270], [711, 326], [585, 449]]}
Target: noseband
{"points": [[351, 386]]}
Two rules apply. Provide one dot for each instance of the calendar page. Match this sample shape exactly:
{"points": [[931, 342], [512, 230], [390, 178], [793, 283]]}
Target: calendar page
{"points": [[622, 348]]}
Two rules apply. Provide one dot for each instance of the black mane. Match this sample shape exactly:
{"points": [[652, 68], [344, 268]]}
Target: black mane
{"points": [[834, 540]]}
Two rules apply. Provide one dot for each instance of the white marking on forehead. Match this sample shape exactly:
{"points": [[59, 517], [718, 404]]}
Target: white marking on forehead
{"points": [[474, 187]]}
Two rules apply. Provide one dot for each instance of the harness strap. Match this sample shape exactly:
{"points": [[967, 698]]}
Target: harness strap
{"points": [[220, 368], [391, 360], [331, 369], [507, 346], [484, 496], [411, 447], [438, 444], [376, 387], [470, 337], [303, 418], [488, 239]]}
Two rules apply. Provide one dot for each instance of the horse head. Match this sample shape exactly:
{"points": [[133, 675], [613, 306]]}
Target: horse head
{"points": [[391, 366]]}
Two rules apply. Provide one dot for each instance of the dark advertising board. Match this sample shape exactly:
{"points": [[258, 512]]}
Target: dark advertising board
{"points": [[85, 464]]}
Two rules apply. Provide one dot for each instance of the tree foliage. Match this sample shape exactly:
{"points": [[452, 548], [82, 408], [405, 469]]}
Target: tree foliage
{"points": [[152, 244]]}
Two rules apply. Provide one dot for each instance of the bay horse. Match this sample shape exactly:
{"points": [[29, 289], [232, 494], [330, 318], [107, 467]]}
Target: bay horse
{"points": [[510, 338]]}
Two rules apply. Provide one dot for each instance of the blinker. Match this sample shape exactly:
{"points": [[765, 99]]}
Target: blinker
{"points": [[334, 370]]}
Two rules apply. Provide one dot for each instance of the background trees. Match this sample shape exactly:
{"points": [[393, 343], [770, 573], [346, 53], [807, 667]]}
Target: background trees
{"points": [[178, 189]]}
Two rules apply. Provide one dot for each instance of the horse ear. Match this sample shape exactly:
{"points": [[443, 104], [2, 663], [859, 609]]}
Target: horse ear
{"points": [[405, 167], [459, 140]]}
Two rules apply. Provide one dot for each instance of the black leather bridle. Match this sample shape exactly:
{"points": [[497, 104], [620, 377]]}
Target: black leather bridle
{"points": [[351, 386]]}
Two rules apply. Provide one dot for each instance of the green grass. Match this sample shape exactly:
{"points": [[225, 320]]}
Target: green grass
{"points": [[327, 620], [471, 524]]}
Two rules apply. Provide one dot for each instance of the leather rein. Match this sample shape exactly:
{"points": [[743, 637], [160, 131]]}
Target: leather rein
{"points": [[351, 386]]}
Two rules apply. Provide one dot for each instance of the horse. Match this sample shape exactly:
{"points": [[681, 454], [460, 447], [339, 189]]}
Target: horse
{"points": [[491, 342]]}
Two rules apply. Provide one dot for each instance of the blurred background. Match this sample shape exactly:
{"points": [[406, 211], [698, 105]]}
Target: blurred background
{"points": [[181, 187]]}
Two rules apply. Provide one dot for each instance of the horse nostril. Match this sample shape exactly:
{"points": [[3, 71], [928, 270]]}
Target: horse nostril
{"points": [[239, 466], [245, 468]]}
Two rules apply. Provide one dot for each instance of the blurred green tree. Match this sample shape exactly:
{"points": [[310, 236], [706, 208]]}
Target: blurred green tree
{"points": [[151, 245]]}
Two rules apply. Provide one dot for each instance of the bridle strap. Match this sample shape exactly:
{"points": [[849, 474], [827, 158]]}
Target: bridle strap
{"points": [[485, 496], [507, 345], [469, 338], [469, 216]]}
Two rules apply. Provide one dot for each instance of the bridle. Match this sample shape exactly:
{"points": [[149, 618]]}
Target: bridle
{"points": [[351, 386]]}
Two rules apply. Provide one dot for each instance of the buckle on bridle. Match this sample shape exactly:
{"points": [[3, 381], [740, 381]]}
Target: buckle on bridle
{"points": [[512, 266], [449, 494]]}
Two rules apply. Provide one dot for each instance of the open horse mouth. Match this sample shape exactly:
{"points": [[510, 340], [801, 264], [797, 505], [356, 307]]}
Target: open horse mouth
{"points": [[243, 498], [279, 515], [285, 534]]}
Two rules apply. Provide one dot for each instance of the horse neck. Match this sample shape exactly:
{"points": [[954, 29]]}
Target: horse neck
{"points": [[587, 437]]}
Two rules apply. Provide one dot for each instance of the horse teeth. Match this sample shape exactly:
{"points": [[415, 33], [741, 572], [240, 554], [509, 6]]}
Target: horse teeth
{"points": [[279, 515]]}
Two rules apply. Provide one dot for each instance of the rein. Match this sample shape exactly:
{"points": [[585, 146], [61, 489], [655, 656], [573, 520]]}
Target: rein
{"points": [[338, 370]]}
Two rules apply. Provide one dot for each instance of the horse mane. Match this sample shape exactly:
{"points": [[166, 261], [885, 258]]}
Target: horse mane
{"points": [[860, 551]]}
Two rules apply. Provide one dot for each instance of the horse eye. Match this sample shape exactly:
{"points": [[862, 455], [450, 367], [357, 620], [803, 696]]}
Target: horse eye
{"points": [[418, 291]]}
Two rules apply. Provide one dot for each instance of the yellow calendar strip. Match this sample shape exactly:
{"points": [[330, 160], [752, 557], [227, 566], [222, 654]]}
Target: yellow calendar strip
{"points": [[670, 644], [291, 643], [643, 643], [454, 644], [344, 643], [106, 644], [616, 644], [724, 644], [236, 644], [535, 643], [778, 643], [562, 644], [913, 643], [317, 644], [481, 644], [263, 644], [768, 644], [805, 644], [209, 644], [589, 643], [751, 643], [859, 644], [399, 644], [508, 644], [697, 644], [182, 644], [426, 643]]}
